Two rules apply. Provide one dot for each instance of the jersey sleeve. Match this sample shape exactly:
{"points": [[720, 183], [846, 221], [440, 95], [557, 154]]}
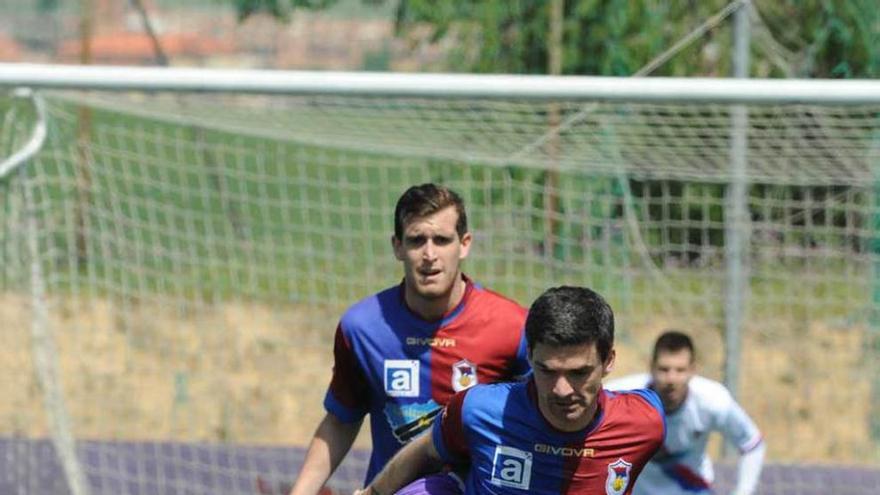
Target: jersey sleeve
{"points": [[651, 398], [348, 395], [448, 433], [738, 428], [659, 417]]}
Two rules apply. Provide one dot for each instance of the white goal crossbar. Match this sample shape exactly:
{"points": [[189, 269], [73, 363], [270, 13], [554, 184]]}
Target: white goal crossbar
{"points": [[534, 87]]}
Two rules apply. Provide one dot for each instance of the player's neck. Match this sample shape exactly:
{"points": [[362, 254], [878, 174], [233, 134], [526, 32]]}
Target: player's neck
{"points": [[433, 309]]}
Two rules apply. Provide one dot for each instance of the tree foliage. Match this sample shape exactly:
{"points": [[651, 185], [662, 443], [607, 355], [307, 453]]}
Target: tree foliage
{"points": [[599, 36], [839, 39], [47, 5], [791, 38], [280, 9]]}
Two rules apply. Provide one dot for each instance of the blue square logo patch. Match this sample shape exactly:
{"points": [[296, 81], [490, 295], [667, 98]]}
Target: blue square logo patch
{"points": [[402, 377], [511, 468]]}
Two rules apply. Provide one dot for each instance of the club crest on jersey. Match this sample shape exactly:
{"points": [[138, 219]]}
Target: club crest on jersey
{"points": [[464, 375], [511, 468], [618, 477], [402, 377]]}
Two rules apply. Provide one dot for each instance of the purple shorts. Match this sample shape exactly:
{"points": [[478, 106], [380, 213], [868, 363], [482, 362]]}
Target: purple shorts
{"points": [[435, 484]]}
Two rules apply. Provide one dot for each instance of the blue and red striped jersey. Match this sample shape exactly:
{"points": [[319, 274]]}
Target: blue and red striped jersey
{"points": [[402, 369], [512, 448]]}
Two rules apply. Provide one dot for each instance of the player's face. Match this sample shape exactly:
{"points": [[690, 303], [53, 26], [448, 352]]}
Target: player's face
{"points": [[431, 251], [671, 372], [568, 380]]}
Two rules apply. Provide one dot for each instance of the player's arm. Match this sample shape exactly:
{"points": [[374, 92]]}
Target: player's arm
{"points": [[413, 460], [443, 444], [345, 403], [331, 442], [740, 430], [749, 470]]}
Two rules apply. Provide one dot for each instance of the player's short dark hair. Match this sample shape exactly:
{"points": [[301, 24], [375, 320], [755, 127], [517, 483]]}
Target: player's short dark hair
{"points": [[673, 341], [426, 199], [567, 315]]}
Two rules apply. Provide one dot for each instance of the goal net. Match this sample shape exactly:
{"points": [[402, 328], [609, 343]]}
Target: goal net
{"points": [[172, 265]]}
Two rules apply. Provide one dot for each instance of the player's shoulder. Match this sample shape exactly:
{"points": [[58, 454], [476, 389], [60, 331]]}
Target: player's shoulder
{"points": [[497, 302], [491, 398], [629, 400], [370, 309], [490, 393], [628, 382], [638, 409], [487, 405], [709, 394]]}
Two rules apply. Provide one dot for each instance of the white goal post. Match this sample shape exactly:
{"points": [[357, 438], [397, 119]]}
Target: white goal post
{"points": [[176, 245], [443, 86]]}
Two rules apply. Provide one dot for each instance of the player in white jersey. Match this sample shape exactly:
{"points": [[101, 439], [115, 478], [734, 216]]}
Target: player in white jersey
{"points": [[695, 406]]}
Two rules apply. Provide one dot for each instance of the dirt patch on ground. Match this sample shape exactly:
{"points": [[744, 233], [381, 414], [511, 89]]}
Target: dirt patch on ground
{"points": [[245, 373]]}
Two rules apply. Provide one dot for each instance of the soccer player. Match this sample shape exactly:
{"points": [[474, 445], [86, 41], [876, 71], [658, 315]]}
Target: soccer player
{"points": [[558, 433], [402, 353], [695, 406]]}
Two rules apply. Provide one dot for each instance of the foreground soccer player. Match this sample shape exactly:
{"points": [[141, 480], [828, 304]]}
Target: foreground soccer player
{"points": [[558, 433], [402, 353], [695, 406]]}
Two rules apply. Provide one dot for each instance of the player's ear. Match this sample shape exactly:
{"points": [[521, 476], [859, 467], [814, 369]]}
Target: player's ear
{"points": [[465, 240], [608, 366], [397, 246]]}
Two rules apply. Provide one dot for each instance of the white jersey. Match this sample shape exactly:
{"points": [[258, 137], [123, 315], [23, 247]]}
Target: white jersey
{"points": [[681, 466]]}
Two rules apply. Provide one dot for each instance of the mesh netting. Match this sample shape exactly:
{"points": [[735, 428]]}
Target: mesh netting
{"points": [[197, 251]]}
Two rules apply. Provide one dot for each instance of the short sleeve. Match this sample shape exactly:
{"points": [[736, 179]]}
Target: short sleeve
{"points": [[348, 395], [739, 429]]}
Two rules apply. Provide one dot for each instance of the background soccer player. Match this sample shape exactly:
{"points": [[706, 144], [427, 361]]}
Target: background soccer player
{"points": [[402, 353], [559, 432], [695, 406]]}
